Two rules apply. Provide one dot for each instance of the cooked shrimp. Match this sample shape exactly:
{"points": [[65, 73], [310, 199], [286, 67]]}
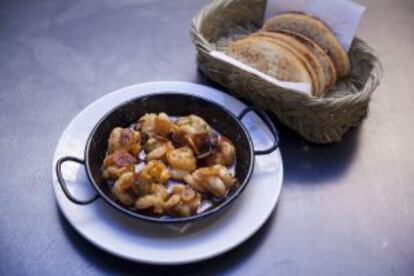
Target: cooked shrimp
{"points": [[150, 201], [192, 131], [184, 201], [157, 148], [123, 189], [182, 159], [152, 124], [215, 180], [126, 139], [192, 125], [178, 174], [224, 154], [154, 172], [173, 150], [118, 163], [142, 188], [163, 125], [154, 198], [146, 124]]}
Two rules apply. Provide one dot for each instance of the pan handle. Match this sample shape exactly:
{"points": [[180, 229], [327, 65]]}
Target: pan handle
{"points": [[63, 183], [263, 115]]}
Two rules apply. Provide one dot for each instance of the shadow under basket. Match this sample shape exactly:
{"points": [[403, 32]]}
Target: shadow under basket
{"points": [[319, 120]]}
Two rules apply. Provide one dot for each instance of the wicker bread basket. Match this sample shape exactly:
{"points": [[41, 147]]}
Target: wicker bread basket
{"points": [[320, 120]]}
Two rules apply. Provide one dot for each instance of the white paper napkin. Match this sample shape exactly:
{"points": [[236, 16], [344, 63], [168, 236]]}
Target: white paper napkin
{"points": [[302, 87], [342, 16]]}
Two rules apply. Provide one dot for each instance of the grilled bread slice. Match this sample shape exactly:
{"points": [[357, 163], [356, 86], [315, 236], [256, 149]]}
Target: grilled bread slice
{"points": [[316, 30], [327, 65], [304, 53], [269, 58]]}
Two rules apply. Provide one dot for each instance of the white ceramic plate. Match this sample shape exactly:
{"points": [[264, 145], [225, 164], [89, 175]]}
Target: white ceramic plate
{"points": [[135, 240]]}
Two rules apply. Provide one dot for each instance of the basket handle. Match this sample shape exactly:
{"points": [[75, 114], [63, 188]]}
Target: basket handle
{"points": [[266, 119], [63, 183]]}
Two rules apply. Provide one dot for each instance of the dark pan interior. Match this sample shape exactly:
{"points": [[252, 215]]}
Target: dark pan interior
{"points": [[174, 105]]}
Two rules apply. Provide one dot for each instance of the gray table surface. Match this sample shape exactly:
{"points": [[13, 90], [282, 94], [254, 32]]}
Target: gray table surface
{"points": [[345, 209]]}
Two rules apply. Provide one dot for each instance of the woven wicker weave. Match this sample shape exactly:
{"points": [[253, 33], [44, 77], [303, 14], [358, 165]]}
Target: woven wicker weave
{"points": [[320, 120]]}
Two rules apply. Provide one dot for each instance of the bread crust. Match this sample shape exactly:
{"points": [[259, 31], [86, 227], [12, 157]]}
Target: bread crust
{"points": [[269, 58], [316, 30], [327, 65], [304, 53]]}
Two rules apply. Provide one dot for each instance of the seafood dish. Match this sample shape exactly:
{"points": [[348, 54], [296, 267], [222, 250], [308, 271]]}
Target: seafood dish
{"points": [[169, 166]]}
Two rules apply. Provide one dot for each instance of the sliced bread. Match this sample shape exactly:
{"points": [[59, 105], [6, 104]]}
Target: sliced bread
{"points": [[317, 31], [269, 58]]}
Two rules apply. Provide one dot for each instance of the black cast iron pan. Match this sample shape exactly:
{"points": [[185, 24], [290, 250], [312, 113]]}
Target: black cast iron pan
{"points": [[173, 104]]}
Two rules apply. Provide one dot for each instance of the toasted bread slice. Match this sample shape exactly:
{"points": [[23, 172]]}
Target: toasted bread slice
{"points": [[304, 53], [316, 30], [269, 58], [327, 65]]}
